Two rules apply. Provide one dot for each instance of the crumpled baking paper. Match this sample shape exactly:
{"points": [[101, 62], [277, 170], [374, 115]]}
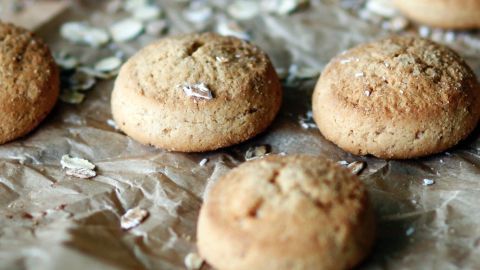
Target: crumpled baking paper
{"points": [[52, 221]]}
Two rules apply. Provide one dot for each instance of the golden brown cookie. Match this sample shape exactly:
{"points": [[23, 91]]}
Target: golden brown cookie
{"points": [[286, 213], [29, 82], [457, 14], [400, 97], [197, 92]]}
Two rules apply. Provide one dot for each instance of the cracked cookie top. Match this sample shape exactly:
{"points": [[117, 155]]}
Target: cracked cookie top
{"points": [[286, 213]]}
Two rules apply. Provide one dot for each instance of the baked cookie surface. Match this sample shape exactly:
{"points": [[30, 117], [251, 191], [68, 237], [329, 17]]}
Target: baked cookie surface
{"points": [[29, 82], [286, 212], [196, 92], [455, 14], [400, 97]]}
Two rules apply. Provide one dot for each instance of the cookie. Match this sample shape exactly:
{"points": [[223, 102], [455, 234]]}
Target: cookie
{"points": [[29, 82], [196, 92], [286, 212], [454, 14], [397, 98]]}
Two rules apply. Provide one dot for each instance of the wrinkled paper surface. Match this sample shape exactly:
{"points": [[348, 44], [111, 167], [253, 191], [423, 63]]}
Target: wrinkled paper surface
{"points": [[49, 220]]}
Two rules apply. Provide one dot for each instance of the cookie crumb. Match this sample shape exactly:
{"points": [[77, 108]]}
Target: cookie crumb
{"points": [[133, 217], [193, 261]]}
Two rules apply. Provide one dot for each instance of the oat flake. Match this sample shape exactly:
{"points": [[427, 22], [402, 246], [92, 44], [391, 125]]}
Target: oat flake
{"points": [[197, 90], [133, 217], [193, 261], [256, 152], [356, 167]]}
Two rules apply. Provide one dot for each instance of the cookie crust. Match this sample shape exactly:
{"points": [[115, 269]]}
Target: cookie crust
{"points": [[295, 212], [29, 82], [453, 14], [150, 105], [397, 98]]}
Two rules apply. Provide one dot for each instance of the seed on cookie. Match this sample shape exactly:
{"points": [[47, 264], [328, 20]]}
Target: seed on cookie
{"points": [[197, 90]]}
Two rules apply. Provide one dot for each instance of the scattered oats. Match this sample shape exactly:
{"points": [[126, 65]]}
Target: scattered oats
{"points": [[437, 35], [66, 61], [131, 5], [410, 231], [126, 30], [244, 9], [97, 74], [307, 73], [231, 28], [197, 90], [193, 261], [76, 163], [81, 173], [112, 123], [356, 167], [414, 201], [198, 13], [307, 121], [72, 97], [114, 6], [472, 41], [147, 13], [78, 167], [108, 64], [222, 59], [367, 93], [428, 182], [133, 217], [359, 74], [255, 152], [284, 7], [156, 27], [203, 162], [441, 161], [396, 24], [282, 73], [343, 162], [79, 32], [81, 81], [450, 36], [424, 31], [383, 8], [282, 153]]}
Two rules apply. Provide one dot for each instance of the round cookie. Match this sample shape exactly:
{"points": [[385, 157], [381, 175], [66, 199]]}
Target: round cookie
{"points": [[400, 97], [196, 92], [29, 82], [286, 212], [455, 14]]}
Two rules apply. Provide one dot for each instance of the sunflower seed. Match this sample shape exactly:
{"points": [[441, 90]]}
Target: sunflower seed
{"points": [[126, 30], [383, 8], [197, 90], [244, 9], [147, 13], [356, 167], [108, 64], [72, 97], [133, 217], [79, 32], [255, 152], [156, 27], [231, 28], [81, 173], [193, 261], [76, 163]]}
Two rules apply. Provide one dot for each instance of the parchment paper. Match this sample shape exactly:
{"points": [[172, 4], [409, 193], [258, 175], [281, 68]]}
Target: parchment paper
{"points": [[52, 221]]}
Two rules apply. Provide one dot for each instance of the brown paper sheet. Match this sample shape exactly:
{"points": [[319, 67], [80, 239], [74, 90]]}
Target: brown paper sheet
{"points": [[52, 221]]}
